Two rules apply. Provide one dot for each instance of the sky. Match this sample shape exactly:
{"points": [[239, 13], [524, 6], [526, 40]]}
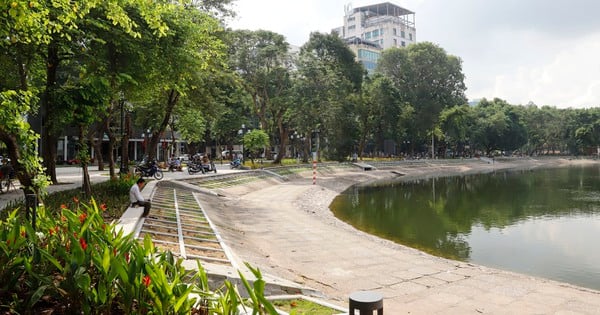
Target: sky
{"points": [[546, 52]]}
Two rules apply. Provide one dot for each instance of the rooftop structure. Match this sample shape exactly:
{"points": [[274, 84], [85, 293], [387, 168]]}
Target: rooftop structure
{"points": [[378, 26]]}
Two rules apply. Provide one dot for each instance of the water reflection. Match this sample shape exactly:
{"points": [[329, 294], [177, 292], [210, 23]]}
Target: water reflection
{"points": [[542, 222]]}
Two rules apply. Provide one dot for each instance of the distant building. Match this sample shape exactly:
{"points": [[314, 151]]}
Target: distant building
{"points": [[373, 28]]}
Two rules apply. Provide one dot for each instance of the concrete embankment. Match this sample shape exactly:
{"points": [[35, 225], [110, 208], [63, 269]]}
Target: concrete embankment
{"points": [[287, 230]]}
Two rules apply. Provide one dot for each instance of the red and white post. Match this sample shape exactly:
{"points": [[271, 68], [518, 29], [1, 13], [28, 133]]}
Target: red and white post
{"points": [[314, 168]]}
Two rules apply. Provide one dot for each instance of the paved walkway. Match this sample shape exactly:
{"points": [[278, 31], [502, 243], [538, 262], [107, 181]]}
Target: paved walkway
{"points": [[277, 228]]}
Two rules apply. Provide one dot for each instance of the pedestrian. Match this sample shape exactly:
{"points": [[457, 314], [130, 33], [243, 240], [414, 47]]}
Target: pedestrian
{"points": [[136, 198]]}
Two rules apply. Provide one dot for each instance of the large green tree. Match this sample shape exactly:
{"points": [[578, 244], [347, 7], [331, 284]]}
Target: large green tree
{"points": [[429, 80], [328, 89], [263, 61]]}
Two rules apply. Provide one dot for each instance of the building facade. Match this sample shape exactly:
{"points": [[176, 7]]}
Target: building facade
{"points": [[370, 29]]}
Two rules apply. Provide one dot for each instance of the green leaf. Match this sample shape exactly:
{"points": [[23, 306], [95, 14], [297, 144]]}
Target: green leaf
{"points": [[102, 292], [35, 297], [106, 260]]}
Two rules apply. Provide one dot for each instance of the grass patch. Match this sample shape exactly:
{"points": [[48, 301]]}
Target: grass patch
{"points": [[301, 306]]}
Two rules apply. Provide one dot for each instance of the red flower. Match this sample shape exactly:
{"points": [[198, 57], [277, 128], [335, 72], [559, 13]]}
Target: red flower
{"points": [[83, 244], [75, 200], [127, 257], [103, 226], [51, 231], [146, 281], [103, 207], [114, 252], [63, 206], [8, 242], [23, 233], [63, 218], [82, 217]]}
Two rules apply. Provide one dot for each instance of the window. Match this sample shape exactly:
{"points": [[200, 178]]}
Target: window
{"points": [[395, 42], [367, 35], [381, 42], [402, 34], [403, 44], [351, 27], [410, 36], [381, 31], [351, 19], [375, 33]]}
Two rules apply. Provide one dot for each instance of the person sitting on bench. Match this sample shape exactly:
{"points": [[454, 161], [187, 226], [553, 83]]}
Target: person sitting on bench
{"points": [[136, 198]]}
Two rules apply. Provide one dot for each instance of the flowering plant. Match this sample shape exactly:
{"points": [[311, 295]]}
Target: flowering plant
{"points": [[74, 262]]}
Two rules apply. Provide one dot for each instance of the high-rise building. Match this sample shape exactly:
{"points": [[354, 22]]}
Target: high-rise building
{"points": [[372, 28]]}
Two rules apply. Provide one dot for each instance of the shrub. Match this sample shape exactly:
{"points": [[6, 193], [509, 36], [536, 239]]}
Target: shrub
{"points": [[74, 262]]}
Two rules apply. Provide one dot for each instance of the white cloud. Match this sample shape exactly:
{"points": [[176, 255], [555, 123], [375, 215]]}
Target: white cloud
{"points": [[569, 79], [538, 51]]}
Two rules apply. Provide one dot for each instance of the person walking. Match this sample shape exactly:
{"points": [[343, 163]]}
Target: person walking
{"points": [[136, 198]]}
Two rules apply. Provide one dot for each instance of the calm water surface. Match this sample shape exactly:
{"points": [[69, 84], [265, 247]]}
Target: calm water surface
{"points": [[544, 223]]}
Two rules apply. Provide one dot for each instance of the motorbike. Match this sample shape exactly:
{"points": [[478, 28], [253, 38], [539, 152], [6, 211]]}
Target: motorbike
{"points": [[149, 169], [235, 164], [194, 167]]}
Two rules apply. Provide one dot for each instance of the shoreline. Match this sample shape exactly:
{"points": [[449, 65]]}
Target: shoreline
{"points": [[287, 230]]}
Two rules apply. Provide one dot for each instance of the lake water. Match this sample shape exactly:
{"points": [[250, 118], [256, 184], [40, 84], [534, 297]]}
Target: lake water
{"points": [[544, 223]]}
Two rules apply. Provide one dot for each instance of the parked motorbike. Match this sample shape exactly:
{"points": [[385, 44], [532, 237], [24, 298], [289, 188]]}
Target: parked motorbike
{"points": [[235, 164], [149, 169], [196, 166]]}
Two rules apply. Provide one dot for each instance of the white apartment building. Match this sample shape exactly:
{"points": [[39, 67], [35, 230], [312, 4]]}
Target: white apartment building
{"points": [[373, 28]]}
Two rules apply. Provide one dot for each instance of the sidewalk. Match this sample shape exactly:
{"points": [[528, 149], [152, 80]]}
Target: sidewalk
{"points": [[286, 230], [69, 177]]}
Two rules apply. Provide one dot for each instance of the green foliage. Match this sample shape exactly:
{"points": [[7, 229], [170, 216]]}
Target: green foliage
{"points": [[16, 133], [73, 262], [255, 141]]}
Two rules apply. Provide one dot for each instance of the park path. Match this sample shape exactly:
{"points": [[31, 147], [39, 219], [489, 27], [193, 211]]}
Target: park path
{"points": [[283, 229]]}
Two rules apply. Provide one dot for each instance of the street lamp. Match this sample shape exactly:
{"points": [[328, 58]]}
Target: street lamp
{"points": [[124, 146], [241, 132]]}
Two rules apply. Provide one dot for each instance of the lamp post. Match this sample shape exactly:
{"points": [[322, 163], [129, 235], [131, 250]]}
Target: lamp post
{"points": [[124, 146], [241, 132]]}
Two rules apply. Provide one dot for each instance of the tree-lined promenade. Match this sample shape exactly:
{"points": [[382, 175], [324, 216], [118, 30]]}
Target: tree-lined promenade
{"points": [[103, 66], [104, 69]]}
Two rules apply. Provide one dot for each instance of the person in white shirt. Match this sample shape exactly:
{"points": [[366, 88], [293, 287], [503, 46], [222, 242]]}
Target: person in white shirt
{"points": [[136, 198]]}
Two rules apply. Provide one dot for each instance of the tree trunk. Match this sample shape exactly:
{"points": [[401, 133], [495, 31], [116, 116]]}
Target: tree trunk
{"points": [[86, 186], [49, 138], [172, 100], [98, 156], [111, 146], [125, 141], [14, 153]]}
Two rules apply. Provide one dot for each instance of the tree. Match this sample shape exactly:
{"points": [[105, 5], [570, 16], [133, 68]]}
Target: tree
{"points": [[428, 79], [263, 62], [175, 66], [497, 126], [328, 86], [380, 112], [254, 141], [455, 123]]}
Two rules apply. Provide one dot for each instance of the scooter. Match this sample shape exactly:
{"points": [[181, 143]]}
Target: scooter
{"points": [[197, 166], [149, 169], [194, 167], [235, 164]]}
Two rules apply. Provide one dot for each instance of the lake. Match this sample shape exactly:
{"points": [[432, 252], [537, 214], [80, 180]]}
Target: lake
{"points": [[544, 222]]}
